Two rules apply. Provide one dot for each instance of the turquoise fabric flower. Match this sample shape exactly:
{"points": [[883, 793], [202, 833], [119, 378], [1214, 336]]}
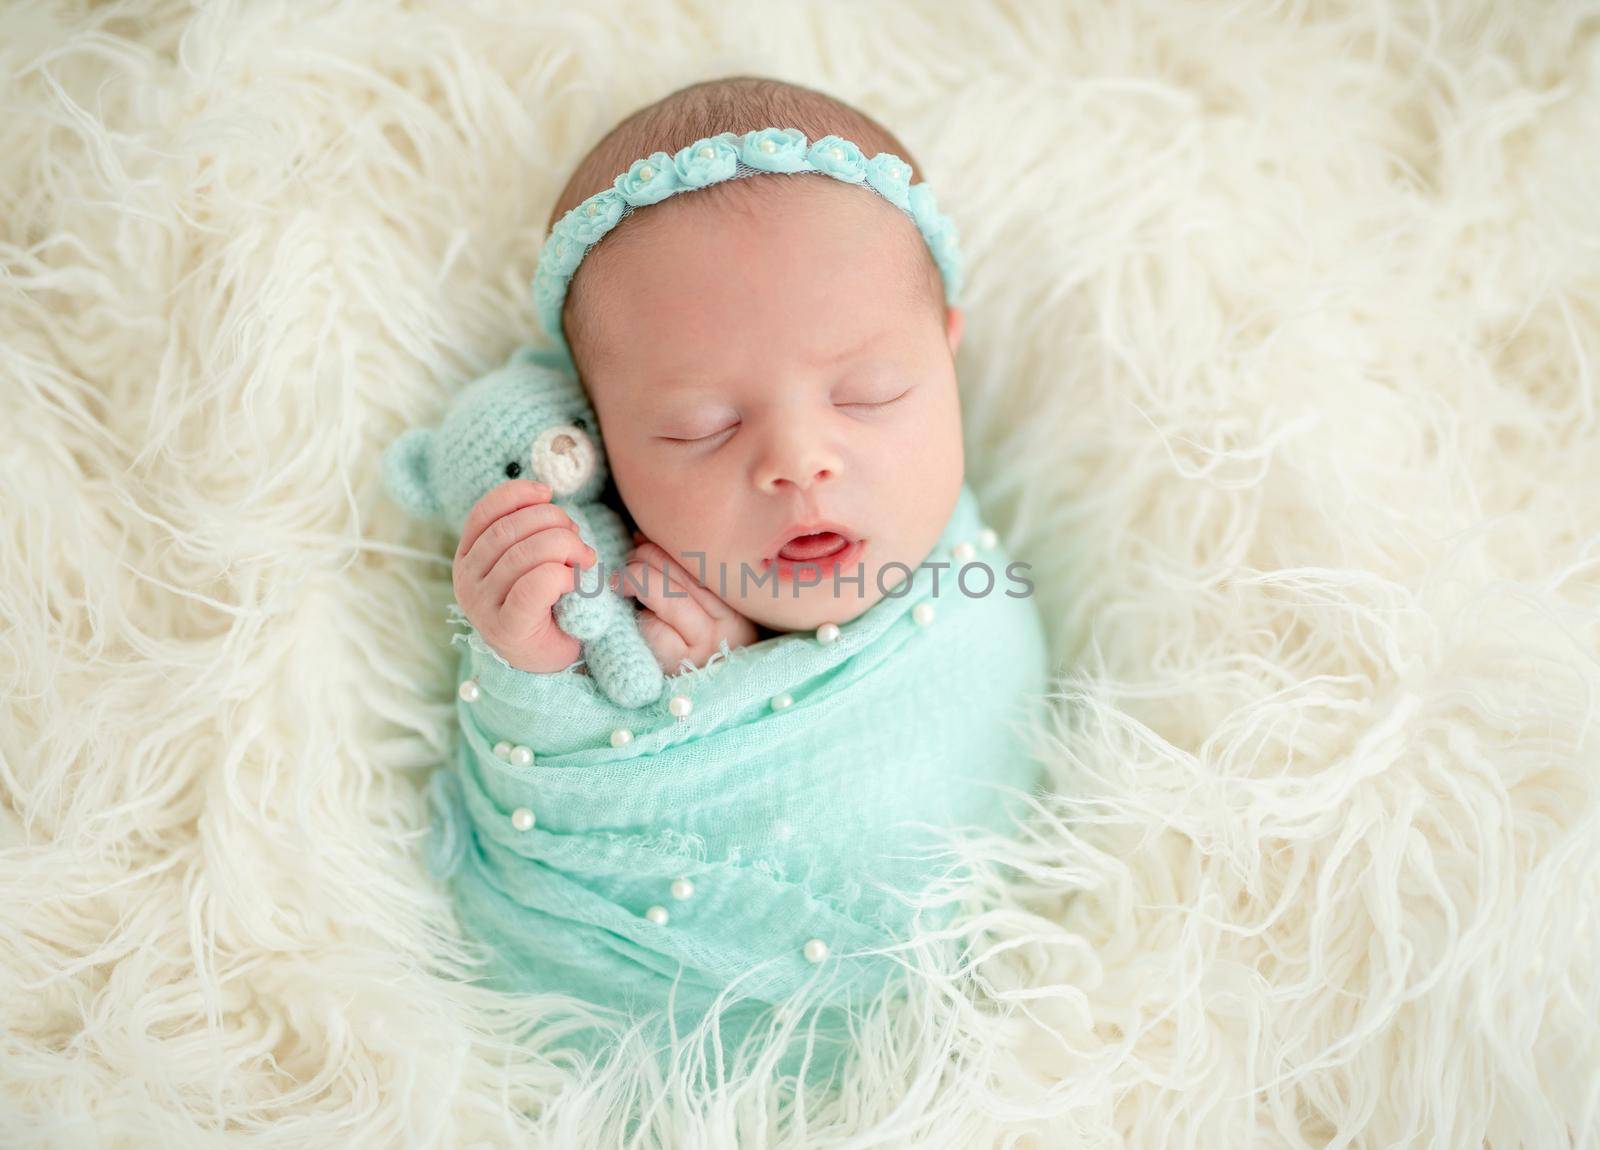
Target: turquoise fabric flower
{"points": [[708, 160], [891, 178], [924, 209], [774, 150], [595, 216], [563, 250], [945, 243], [648, 181], [839, 158]]}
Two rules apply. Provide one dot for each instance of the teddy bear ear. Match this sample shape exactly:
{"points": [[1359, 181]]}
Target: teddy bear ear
{"points": [[408, 473]]}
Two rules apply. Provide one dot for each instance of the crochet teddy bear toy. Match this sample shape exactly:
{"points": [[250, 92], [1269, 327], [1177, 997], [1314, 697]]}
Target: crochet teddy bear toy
{"points": [[530, 418]]}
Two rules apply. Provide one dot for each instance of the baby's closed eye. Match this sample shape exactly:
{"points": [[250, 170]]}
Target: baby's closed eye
{"points": [[875, 399], [880, 399]]}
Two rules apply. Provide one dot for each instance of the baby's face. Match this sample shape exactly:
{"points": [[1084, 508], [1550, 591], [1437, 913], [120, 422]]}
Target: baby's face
{"points": [[758, 370]]}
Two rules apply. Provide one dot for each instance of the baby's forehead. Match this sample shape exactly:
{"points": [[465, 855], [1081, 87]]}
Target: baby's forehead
{"points": [[816, 250]]}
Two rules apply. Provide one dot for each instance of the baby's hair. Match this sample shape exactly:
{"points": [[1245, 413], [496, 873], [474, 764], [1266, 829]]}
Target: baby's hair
{"points": [[730, 104]]}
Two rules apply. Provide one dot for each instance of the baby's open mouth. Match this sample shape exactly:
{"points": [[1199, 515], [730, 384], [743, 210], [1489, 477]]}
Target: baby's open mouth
{"points": [[803, 548]]}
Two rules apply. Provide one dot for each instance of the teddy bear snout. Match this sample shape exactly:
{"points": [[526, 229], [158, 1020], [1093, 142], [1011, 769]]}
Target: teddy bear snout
{"points": [[564, 457]]}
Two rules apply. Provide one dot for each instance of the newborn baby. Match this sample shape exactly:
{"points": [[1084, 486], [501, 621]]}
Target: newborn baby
{"points": [[771, 361], [776, 391]]}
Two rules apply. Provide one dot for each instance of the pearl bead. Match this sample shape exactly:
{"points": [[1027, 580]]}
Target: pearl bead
{"points": [[962, 551], [923, 614], [827, 633], [682, 888], [680, 705], [835, 151], [502, 749], [522, 819], [987, 537], [706, 152], [520, 756], [646, 172], [779, 702], [816, 950], [768, 146], [657, 915], [591, 209], [469, 690], [621, 737]]}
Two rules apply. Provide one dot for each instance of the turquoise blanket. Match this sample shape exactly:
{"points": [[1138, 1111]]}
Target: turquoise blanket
{"points": [[760, 839]]}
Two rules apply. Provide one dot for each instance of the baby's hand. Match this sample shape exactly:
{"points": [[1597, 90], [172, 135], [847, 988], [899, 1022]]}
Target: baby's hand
{"points": [[518, 554], [691, 622]]}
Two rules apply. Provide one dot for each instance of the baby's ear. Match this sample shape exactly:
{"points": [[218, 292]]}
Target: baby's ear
{"points": [[408, 473]]}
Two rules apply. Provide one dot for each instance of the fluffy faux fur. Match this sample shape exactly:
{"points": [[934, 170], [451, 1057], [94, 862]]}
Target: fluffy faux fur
{"points": [[1280, 367]]}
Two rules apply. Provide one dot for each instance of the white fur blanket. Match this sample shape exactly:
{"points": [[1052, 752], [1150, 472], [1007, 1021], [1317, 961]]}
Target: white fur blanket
{"points": [[1280, 366]]}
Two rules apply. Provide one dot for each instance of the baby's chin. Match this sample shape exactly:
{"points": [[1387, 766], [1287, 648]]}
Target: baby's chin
{"points": [[806, 603], [815, 607]]}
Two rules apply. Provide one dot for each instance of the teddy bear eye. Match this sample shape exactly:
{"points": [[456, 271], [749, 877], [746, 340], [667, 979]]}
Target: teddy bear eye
{"points": [[513, 469]]}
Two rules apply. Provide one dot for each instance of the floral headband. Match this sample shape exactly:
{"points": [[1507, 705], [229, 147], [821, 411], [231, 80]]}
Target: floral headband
{"points": [[731, 156]]}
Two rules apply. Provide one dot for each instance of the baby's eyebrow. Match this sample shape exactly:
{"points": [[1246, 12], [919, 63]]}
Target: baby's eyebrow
{"points": [[694, 384], [850, 353], [668, 398]]}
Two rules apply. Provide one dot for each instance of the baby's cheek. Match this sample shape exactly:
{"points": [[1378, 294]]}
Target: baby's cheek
{"points": [[671, 511]]}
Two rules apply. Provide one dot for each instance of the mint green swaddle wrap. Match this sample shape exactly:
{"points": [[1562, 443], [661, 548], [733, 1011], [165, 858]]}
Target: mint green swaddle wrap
{"points": [[785, 804]]}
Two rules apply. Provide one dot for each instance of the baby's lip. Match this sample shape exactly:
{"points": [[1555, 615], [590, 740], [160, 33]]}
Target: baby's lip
{"points": [[808, 527]]}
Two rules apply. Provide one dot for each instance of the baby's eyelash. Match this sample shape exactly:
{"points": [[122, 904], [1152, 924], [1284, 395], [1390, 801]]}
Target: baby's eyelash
{"points": [[731, 426], [700, 438], [882, 402]]}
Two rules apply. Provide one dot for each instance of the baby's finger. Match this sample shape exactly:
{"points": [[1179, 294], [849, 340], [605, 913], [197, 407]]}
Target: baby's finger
{"points": [[657, 557], [665, 644], [552, 545], [671, 602], [501, 499], [530, 598], [508, 530]]}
